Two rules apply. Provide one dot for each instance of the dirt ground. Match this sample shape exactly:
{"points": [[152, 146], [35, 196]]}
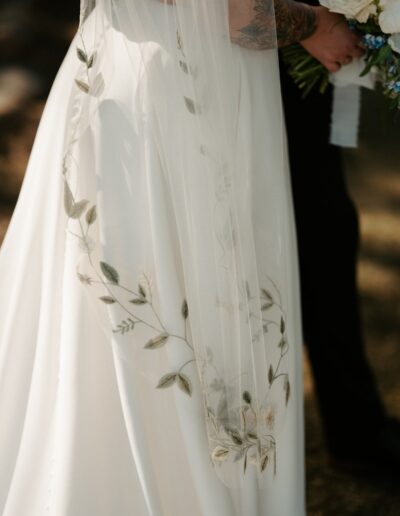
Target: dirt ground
{"points": [[33, 40]]}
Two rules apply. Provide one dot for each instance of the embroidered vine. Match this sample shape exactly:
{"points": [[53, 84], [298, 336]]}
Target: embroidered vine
{"points": [[242, 433], [245, 433]]}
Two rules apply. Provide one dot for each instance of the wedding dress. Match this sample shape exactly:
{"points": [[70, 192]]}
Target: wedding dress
{"points": [[150, 340]]}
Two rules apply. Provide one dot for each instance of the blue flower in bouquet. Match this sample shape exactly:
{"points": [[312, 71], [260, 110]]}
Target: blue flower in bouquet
{"points": [[393, 70], [373, 42], [393, 86]]}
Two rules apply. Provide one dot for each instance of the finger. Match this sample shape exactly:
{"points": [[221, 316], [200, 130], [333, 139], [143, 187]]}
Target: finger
{"points": [[339, 57], [357, 52], [332, 66], [356, 41]]}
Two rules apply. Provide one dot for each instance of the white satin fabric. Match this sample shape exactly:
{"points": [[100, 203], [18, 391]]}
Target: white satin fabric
{"points": [[346, 108], [83, 432]]}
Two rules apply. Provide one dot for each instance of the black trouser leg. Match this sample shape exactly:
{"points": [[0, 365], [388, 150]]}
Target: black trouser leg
{"points": [[327, 228]]}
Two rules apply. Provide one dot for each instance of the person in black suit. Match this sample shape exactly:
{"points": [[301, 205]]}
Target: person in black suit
{"points": [[356, 426]]}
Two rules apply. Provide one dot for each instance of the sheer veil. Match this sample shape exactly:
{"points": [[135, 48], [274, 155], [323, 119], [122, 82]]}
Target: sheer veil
{"points": [[204, 305]]}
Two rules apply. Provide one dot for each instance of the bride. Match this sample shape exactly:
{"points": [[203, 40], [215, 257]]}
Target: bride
{"points": [[150, 343]]}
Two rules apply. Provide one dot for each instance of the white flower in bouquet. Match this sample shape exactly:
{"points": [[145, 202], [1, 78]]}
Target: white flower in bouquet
{"points": [[389, 19], [359, 10], [394, 42]]}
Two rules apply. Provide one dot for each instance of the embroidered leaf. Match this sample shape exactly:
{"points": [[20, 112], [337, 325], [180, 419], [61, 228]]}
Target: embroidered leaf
{"points": [[138, 301], [287, 390], [191, 106], [264, 462], [167, 380], [125, 326], [91, 60], [142, 291], [247, 397], [269, 300], [82, 56], [109, 272], [185, 384], [266, 294], [184, 66], [78, 209], [248, 289], [266, 306], [179, 41], [270, 375], [245, 464], [82, 86], [193, 71], [283, 325], [107, 300], [252, 436], [220, 453], [283, 344], [185, 309], [157, 342], [68, 199], [91, 215], [236, 437], [84, 278]]}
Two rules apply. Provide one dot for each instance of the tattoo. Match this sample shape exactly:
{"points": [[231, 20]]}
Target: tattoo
{"points": [[288, 23]]}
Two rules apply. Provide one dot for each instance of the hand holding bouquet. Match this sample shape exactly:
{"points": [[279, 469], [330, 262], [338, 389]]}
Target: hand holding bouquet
{"points": [[378, 23]]}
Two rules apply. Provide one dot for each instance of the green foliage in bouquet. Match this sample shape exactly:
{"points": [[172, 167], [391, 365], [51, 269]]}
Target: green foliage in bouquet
{"points": [[307, 73]]}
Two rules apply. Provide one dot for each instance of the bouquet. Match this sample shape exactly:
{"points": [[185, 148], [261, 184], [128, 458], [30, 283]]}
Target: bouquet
{"points": [[378, 21]]}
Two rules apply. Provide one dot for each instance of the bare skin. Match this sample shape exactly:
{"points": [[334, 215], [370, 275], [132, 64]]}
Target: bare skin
{"points": [[259, 24], [325, 35]]}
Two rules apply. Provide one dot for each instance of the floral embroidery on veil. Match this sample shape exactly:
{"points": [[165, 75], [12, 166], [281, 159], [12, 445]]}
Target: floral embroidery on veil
{"points": [[244, 433]]}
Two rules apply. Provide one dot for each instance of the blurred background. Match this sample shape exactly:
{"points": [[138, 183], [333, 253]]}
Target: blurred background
{"points": [[34, 36]]}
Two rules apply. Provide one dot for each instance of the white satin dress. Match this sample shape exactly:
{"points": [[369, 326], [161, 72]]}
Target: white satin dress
{"points": [[83, 433]]}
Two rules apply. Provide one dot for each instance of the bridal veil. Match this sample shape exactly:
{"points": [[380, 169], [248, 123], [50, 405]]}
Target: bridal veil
{"points": [[149, 300]]}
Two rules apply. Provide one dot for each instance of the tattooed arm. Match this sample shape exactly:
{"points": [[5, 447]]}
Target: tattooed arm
{"points": [[257, 25], [254, 22]]}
